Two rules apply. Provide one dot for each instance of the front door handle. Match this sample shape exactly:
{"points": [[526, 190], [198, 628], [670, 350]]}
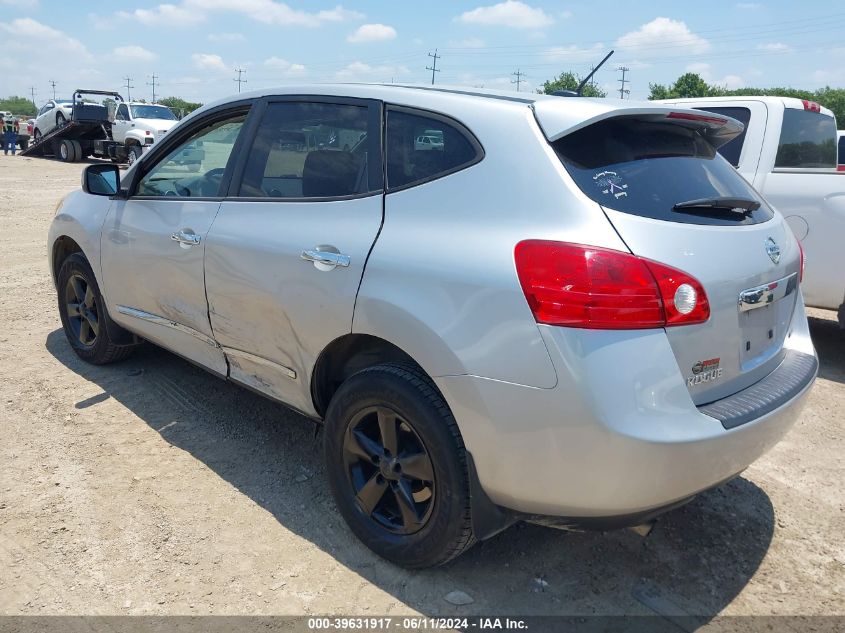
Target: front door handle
{"points": [[326, 258], [189, 239]]}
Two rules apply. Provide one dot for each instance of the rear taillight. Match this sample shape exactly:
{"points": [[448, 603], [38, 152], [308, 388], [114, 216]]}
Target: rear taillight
{"points": [[800, 262], [811, 106], [703, 118], [588, 287]]}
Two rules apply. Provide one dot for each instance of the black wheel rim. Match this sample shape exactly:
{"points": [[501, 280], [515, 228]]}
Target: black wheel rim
{"points": [[389, 470], [81, 310]]}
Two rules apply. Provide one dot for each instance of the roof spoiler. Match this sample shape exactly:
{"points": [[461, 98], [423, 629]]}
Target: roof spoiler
{"points": [[558, 119]]}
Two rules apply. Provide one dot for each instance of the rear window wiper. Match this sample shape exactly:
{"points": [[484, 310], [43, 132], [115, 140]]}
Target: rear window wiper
{"points": [[737, 205]]}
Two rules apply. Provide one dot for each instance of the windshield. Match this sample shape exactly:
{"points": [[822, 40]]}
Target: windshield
{"points": [[645, 168], [152, 112]]}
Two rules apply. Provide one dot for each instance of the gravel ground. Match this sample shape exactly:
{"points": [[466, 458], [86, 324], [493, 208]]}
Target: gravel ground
{"points": [[151, 487]]}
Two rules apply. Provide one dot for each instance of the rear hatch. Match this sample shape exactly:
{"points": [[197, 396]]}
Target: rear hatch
{"points": [[672, 198]]}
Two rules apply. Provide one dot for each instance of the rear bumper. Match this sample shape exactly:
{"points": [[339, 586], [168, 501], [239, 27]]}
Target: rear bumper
{"points": [[619, 436]]}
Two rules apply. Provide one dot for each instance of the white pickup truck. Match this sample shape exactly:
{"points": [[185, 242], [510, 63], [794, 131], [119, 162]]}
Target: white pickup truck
{"points": [[788, 152], [137, 125]]}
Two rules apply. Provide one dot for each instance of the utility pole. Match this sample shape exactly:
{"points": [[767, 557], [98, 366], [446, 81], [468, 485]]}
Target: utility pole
{"points": [[519, 78], [32, 92], [623, 81], [240, 81], [153, 84], [53, 83], [129, 86], [433, 68]]}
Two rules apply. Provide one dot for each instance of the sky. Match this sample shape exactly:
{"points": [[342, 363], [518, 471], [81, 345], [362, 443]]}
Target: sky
{"points": [[193, 47]]}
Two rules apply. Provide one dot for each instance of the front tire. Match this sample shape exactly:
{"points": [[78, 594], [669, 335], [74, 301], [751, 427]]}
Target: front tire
{"points": [[397, 467], [83, 314], [134, 154], [60, 119]]}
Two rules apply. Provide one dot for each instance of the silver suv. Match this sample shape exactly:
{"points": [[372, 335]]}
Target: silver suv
{"points": [[582, 323]]}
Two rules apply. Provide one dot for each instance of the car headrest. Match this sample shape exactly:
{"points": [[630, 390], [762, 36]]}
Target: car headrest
{"points": [[329, 173]]}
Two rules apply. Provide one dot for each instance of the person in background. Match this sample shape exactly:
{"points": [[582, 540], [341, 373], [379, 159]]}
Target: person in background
{"points": [[11, 127]]}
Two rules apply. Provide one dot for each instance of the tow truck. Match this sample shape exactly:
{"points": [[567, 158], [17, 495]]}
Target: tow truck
{"points": [[88, 132]]}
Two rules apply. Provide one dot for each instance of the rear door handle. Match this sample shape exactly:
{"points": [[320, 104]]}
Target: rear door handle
{"points": [[189, 239], [327, 258]]}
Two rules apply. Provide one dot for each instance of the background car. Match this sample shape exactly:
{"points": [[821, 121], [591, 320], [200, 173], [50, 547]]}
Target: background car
{"points": [[52, 114]]}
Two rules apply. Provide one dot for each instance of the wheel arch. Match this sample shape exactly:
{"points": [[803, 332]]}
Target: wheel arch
{"points": [[347, 355], [63, 247]]}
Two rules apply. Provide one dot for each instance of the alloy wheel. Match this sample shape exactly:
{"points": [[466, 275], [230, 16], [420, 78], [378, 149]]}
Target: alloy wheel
{"points": [[389, 469], [81, 310]]}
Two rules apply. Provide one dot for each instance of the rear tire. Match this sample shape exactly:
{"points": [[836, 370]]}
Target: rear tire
{"points": [[83, 313], [67, 151], [77, 150], [397, 467]]}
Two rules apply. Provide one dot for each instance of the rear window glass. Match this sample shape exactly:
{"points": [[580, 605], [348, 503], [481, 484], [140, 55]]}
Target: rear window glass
{"points": [[733, 148], [807, 140], [842, 150], [645, 168]]}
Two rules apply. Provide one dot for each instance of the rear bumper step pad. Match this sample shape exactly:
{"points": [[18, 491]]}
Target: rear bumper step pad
{"points": [[795, 372]]}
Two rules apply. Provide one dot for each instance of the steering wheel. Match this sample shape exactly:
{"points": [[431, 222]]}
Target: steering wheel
{"points": [[210, 181]]}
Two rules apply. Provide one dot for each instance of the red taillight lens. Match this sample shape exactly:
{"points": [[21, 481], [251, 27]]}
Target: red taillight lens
{"points": [[801, 262], [588, 287], [811, 106]]}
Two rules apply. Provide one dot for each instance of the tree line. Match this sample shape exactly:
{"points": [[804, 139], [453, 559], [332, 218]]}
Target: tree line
{"points": [[693, 85]]}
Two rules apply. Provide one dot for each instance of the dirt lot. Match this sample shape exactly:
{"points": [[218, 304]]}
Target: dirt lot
{"points": [[151, 487]]}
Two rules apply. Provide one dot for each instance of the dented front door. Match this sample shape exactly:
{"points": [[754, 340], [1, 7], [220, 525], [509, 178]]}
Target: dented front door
{"points": [[152, 262]]}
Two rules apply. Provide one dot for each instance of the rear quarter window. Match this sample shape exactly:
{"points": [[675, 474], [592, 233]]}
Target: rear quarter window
{"points": [[842, 150], [645, 167], [807, 140]]}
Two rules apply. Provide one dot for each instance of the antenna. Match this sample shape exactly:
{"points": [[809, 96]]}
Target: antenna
{"points": [[433, 68], [586, 79]]}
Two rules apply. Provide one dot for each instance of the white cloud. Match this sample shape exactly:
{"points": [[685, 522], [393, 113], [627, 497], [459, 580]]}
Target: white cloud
{"points": [[470, 42], [663, 34], [775, 47], [731, 82], [271, 12], [137, 53], [572, 52], [359, 71], [372, 33], [23, 4], [26, 34], [208, 61], [226, 37], [284, 66], [511, 13], [164, 15], [749, 5]]}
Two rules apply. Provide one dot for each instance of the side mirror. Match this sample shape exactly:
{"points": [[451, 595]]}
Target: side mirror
{"points": [[101, 180]]}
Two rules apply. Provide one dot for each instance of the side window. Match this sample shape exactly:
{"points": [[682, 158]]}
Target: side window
{"points": [[311, 150], [422, 147], [196, 166], [841, 150], [733, 148], [122, 112]]}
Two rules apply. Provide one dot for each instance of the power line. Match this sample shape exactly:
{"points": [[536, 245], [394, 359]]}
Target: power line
{"points": [[623, 81], [240, 81], [53, 83], [153, 84], [433, 68], [129, 86], [519, 78]]}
